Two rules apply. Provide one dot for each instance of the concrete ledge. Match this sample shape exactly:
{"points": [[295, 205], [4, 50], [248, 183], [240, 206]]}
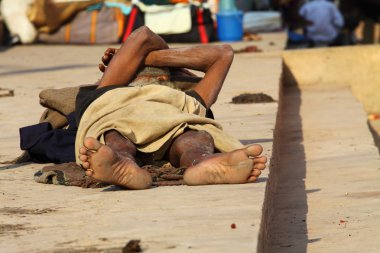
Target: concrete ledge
{"points": [[356, 67], [322, 194]]}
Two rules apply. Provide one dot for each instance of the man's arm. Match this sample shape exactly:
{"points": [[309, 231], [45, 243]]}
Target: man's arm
{"points": [[130, 57], [214, 61], [144, 47]]}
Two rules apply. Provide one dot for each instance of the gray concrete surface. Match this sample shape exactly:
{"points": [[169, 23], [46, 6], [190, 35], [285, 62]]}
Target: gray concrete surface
{"points": [[48, 218]]}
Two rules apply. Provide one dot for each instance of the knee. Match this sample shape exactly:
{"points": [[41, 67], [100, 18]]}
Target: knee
{"points": [[203, 137], [195, 140]]}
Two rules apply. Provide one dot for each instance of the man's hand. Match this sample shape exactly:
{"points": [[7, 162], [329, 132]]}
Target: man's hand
{"points": [[107, 57]]}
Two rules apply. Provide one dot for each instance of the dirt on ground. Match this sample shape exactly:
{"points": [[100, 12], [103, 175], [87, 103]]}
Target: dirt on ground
{"points": [[248, 98]]}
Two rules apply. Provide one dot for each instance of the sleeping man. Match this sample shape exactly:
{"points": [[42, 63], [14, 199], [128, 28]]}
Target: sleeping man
{"points": [[119, 122]]}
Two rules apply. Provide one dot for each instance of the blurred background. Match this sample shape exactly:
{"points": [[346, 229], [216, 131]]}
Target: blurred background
{"points": [[317, 23]]}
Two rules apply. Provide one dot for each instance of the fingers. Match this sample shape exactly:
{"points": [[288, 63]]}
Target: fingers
{"points": [[111, 50], [102, 67], [107, 57], [108, 54]]}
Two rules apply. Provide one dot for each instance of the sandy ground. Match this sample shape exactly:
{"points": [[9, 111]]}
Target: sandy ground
{"points": [[48, 218]]}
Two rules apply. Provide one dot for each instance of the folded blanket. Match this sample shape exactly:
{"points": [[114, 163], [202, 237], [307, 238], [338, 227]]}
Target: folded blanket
{"points": [[150, 116]]}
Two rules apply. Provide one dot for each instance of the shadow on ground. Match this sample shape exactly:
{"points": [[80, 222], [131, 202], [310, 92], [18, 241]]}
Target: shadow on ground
{"points": [[38, 70], [253, 141], [12, 166], [288, 229], [284, 226], [375, 135]]}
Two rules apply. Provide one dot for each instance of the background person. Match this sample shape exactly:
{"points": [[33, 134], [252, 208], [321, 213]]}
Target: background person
{"points": [[326, 22]]}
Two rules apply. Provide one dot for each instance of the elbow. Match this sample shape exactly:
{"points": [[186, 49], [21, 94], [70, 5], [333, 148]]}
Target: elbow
{"points": [[224, 56], [144, 34], [227, 53]]}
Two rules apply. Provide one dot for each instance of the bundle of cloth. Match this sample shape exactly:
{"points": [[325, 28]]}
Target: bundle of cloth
{"points": [[27, 20], [105, 21]]}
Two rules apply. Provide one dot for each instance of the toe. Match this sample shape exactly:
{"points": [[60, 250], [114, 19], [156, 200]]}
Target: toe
{"points": [[251, 179], [92, 143], [83, 158], [86, 165], [83, 150], [256, 173], [254, 150], [260, 159], [259, 166], [89, 173], [90, 152]]}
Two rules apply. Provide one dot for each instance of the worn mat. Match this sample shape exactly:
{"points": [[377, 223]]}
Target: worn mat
{"points": [[71, 174]]}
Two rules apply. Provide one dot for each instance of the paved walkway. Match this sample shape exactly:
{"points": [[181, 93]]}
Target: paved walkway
{"points": [[47, 218], [323, 193]]}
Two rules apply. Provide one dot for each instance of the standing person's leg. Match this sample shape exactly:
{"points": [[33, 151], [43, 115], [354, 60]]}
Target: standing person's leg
{"points": [[195, 151]]}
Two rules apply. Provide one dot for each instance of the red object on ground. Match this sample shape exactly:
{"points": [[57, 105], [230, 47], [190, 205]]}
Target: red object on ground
{"points": [[373, 116], [233, 225]]}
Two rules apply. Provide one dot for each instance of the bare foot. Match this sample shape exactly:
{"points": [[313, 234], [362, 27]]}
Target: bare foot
{"points": [[236, 167], [103, 163]]}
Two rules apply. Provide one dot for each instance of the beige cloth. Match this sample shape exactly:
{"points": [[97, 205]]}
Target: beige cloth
{"points": [[150, 116]]}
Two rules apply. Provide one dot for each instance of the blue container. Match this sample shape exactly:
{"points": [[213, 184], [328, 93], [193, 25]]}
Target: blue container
{"points": [[230, 25]]}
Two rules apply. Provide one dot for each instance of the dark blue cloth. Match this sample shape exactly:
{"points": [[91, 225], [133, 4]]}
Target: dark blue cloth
{"points": [[45, 144]]}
